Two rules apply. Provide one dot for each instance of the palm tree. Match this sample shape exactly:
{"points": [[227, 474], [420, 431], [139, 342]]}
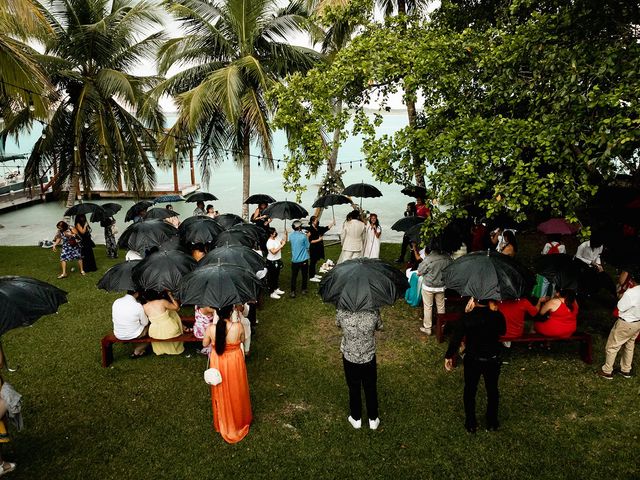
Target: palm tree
{"points": [[234, 52], [91, 132]]}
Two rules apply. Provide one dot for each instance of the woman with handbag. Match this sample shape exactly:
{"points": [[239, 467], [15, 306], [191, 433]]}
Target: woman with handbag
{"points": [[86, 243], [230, 397], [70, 247]]}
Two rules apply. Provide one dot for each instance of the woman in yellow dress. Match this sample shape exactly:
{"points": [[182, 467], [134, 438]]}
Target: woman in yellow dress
{"points": [[162, 311]]}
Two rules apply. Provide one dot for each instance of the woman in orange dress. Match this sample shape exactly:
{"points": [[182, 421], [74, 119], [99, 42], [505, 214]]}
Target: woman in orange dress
{"points": [[230, 398]]}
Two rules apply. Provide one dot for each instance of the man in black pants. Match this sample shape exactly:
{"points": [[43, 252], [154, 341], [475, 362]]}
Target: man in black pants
{"points": [[482, 325]]}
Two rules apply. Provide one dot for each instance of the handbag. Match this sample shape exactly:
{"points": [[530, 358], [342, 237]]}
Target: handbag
{"points": [[114, 229], [212, 376]]}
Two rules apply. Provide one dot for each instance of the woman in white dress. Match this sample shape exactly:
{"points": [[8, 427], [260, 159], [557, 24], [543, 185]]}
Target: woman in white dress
{"points": [[372, 234]]}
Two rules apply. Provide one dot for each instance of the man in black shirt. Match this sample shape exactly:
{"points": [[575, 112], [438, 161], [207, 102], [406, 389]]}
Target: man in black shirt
{"points": [[482, 325]]}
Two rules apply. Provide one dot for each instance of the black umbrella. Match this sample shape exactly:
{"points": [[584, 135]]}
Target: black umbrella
{"points": [[228, 220], [414, 233], [236, 237], [236, 255], [170, 198], [363, 284], [136, 208], [330, 200], [23, 300], [145, 235], [560, 269], [414, 191], [163, 270], [406, 223], [285, 211], [118, 278], [172, 244], [219, 286], [201, 197], [259, 198], [362, 190], [105, 211], [488, 276], [260, 234], [160, 213], [199, 229], [85, 208]]}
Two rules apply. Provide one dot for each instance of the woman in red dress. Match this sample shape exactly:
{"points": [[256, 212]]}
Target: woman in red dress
{"points": [[563, 315]]}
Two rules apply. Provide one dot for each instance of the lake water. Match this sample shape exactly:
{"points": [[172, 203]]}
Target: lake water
{"points": [[29, 225]]}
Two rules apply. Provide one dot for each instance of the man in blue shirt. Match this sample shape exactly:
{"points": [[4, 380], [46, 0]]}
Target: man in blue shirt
{"points": [[299, 257]]}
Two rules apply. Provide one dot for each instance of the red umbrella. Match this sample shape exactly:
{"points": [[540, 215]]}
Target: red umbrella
{"points": [[558, 226]]}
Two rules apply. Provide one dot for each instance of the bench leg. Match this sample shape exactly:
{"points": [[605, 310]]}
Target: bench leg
{"points": [[586, 350], [107, 353]]}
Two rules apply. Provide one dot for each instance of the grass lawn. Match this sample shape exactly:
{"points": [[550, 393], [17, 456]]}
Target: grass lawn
{"points": [[151, 418]]}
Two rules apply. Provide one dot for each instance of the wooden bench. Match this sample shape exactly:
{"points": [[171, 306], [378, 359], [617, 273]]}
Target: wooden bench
{"points": [[107, 341], [586, 342]]}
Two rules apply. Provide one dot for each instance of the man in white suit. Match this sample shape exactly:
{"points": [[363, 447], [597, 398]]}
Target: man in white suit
{"points": [[352, 237]]}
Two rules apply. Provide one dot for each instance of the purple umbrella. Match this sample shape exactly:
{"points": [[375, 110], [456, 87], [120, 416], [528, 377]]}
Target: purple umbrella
{"points": [[557, 226]]}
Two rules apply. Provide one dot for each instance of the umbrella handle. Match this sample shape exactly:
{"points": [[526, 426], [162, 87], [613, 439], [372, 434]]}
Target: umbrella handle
{"points": [[333, 213]]}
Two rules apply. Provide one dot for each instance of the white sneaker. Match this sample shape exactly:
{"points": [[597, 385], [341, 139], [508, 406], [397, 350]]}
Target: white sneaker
{"points": [[355, 423], [278, 291], [315, 279], [507, 344], [275, 296], [373, 424], [425, 330]]}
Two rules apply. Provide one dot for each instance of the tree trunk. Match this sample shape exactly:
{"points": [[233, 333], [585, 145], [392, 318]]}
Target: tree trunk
{"points": [[73, 190], [246, 173], [333, 158], [417, 162]]}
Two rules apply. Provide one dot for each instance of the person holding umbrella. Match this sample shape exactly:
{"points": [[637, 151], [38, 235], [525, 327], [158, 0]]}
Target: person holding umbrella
{"points": [[299, 257], [199, 210], [86, 243], [482, 325], [109, 225], [130, 321], [259, 218], [316, 247]]}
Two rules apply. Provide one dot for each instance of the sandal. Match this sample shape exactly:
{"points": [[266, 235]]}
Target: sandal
{"points": [[6, 467], [134, 355], [82, 272], [62, 275]]}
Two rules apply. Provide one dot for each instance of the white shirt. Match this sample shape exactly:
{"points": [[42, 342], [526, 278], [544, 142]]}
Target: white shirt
{"points": [[273, 243], [128, 317], [589, 255], [629, 305], [132, 255], [548, 245]]}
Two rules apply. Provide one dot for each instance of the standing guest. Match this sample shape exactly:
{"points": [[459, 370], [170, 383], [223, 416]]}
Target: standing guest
{"points": [[554, 245], [274, 262], [316, 247], [479, 235], [625, 282], [352, 237], [86, 243], [130, 321], [162, 311], [259, 218], [140, 215], [430, 269], [514, 312], [174, 220], [563, 315], [410, 211], [623, 334], [299, 257], [70, 247], [211, 212], [592, 275], [422, 210], [508, 246], [199, 210], [358, 347], [230, 399], [109, 225], [372, 234], [240, 314], [482, 325]]}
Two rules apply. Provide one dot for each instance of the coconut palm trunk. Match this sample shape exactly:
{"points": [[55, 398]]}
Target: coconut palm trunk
{"points": [[246, 174]]}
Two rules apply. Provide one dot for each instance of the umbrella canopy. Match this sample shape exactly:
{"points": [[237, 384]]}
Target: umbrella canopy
{"points": [[330, 200], [259, 198], [624, 253], [260, 234], [86, 207], [118, 278], [285, 210], [160, 213], [105, 211], [559, 269], [201, 197], [488, 276], [363, 284], [137, 207], [23, 300], [406, 223], [236, 237], [362, 190], [145, 235], [239, 255], [414, 191], [199, 229], [228, 220], [414, 233], [558, 226], [168, 198], [163, 270], [219, 285]]}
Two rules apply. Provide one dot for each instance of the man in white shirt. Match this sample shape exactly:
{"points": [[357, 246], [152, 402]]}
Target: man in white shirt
{"points": [[592, 275], [589, 253], [623, 334], [130, 321]]}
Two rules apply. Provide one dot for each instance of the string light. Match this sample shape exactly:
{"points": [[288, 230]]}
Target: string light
{"points": [[1, 120], [86, 125], [32, 108]]}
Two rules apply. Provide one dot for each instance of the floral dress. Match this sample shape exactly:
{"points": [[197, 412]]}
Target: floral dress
{"points": [[70, 246], [110, 239]]}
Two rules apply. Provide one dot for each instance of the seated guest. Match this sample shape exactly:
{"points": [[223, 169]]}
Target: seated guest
{"points": [[514, 312], [130, 321], [553, 245], [563, 315], [162, 310], [509, 245], [204, 316]]}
